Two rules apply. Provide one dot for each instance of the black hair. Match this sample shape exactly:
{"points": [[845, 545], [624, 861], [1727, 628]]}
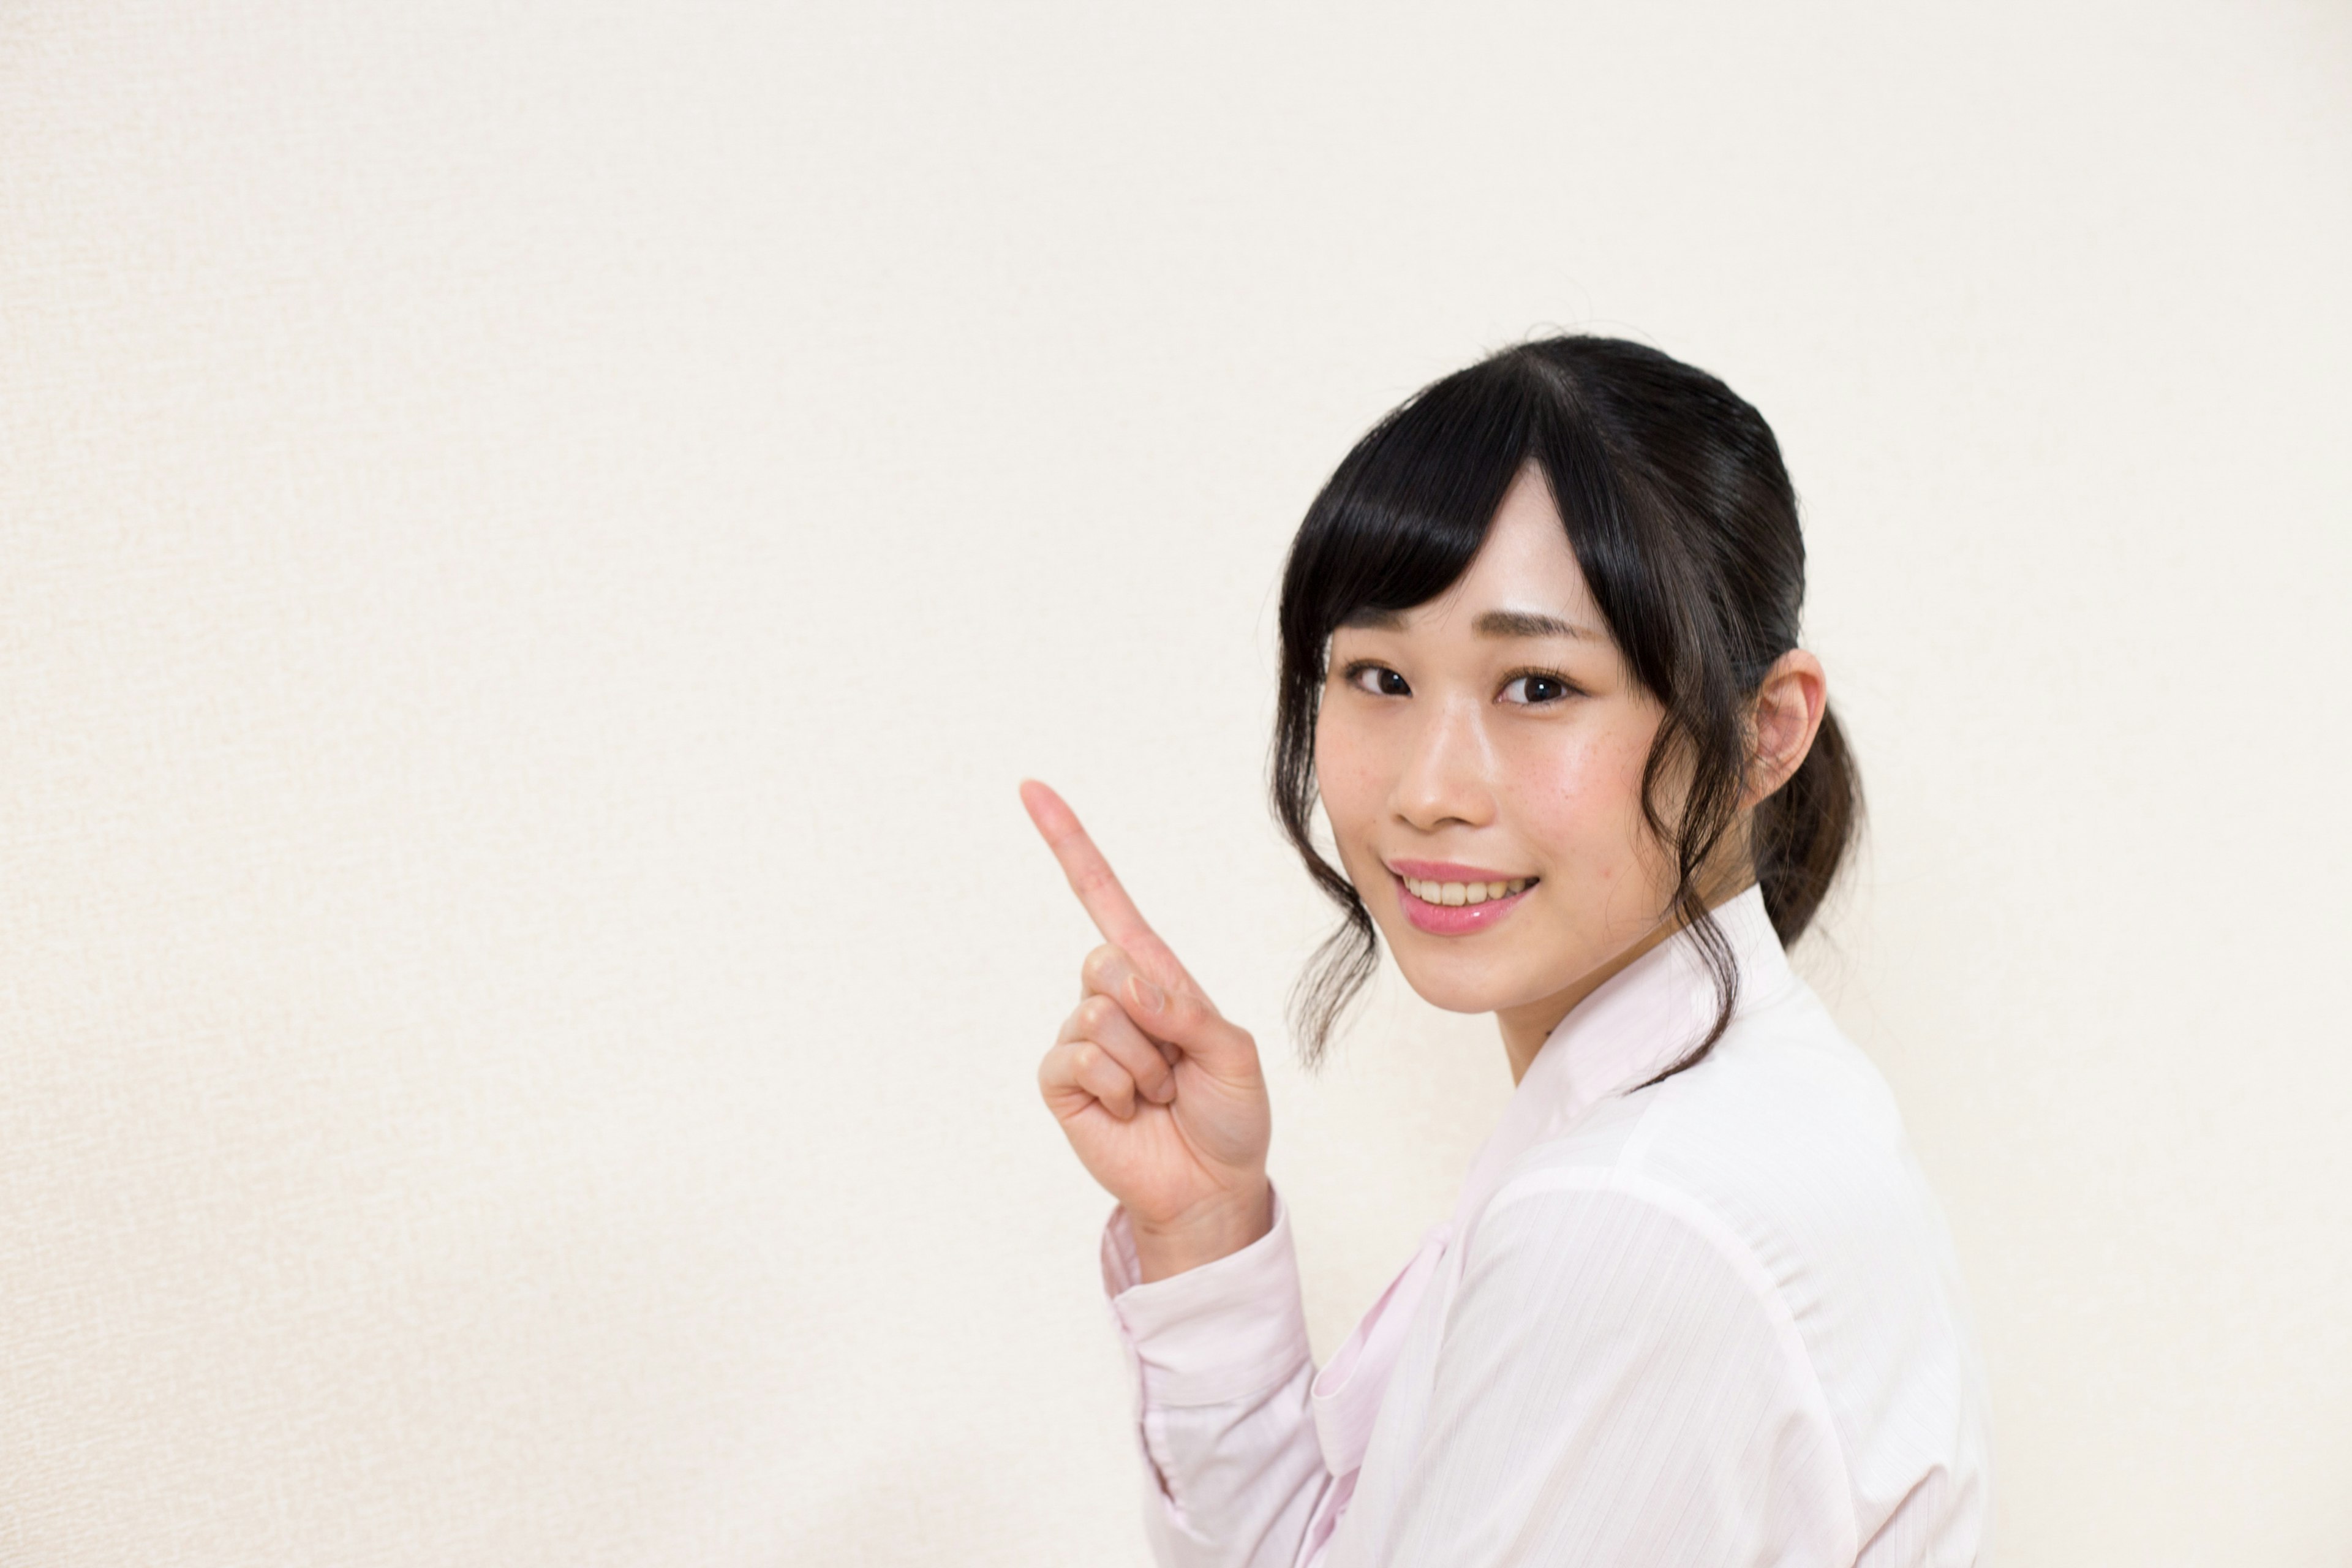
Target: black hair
{"points": [[1685, 525]]}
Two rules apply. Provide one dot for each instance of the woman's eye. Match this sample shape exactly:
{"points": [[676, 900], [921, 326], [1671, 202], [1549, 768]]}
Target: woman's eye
{"points": [[1535, 690], [1378, 679]]}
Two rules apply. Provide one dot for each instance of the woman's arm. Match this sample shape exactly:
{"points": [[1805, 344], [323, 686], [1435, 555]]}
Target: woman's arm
{"points": [[1620, 1382], [1163, 1101], [1231, 1468]]}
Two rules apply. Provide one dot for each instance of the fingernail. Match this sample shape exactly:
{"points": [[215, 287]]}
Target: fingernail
{"points": [[1164, 1093], [1147, 996]]}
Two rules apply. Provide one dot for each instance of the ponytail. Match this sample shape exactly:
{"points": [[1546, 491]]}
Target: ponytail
{"points": [[1803, 829]]}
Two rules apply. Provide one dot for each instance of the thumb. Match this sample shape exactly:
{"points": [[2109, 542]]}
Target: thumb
{"points": [[1189, 1021]]}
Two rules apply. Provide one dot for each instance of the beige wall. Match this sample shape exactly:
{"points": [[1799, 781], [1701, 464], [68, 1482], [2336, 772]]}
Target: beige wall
{"points": [[537, 546]]}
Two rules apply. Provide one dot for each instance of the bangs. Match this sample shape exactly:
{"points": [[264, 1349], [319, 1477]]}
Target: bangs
{"points": [[1407, 509]]}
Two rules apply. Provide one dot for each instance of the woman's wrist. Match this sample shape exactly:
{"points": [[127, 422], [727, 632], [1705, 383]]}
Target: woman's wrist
{"points": [[1204, 1235]]}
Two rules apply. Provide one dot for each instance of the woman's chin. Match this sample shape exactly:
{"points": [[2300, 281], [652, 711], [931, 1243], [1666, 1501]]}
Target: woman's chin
{"points": [[1458, 988]]}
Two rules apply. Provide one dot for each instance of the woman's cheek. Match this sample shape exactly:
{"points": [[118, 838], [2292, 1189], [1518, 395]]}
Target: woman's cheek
{"points": [[1560, 804], [1578, 799], [1345, 777], [1635, 870]]}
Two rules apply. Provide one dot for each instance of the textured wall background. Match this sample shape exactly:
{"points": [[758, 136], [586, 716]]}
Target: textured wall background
{"points": [[537, 541]]}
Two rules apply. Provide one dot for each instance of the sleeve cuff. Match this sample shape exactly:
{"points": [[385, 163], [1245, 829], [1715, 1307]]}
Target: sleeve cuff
{"points": [[1224, 1331]]}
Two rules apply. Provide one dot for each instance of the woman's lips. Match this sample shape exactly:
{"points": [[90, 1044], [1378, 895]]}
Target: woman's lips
{"points": [[1453, 919]]}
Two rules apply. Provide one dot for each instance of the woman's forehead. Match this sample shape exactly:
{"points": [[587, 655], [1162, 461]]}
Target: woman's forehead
{"points": [[1526, 561]]}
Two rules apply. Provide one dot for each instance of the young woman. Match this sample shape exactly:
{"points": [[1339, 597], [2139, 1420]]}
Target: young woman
{"points": [[1696, 1304]]}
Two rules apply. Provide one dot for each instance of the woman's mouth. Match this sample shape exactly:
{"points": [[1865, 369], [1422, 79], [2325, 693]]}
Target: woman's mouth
{"points": [[1456, 901]]}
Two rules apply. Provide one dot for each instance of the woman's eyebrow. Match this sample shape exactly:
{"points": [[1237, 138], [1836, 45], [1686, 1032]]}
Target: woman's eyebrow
{"points": [[1493, 624], [1375, 620], [1529, 623]]}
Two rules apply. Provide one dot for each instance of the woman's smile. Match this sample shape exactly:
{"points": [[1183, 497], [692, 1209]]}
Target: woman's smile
{"points": [[1449, 899]]}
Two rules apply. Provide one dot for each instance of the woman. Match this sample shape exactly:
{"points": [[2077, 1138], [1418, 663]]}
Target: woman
{"points": [[1696, 1304]]}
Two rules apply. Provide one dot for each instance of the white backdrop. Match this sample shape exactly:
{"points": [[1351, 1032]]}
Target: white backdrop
{"points": [[538, 541]]}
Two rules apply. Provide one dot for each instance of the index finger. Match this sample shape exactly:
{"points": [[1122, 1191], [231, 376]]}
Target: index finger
{"points": [[1106, 903]]}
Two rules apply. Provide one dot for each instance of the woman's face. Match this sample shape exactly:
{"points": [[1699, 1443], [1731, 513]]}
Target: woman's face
{"points": [[1495, 736]]}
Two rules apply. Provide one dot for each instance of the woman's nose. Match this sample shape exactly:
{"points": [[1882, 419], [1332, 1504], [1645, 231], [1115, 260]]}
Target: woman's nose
{"points": [[1447, 772]]}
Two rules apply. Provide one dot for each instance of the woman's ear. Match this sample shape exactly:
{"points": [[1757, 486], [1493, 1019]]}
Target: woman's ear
{"points": [[1788, 711]]}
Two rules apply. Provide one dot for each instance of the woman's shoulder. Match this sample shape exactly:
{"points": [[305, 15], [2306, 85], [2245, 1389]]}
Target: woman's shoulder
{"points": [[1782, 1162], [1786, 1137], [1784, 1100]]}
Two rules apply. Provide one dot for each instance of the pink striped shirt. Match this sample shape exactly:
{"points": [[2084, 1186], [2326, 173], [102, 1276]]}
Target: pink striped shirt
{"points": [[1714, 1321]]}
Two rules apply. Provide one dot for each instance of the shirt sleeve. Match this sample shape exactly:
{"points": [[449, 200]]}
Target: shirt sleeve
{"points": [[1222, 1367], [1619, 1382]]}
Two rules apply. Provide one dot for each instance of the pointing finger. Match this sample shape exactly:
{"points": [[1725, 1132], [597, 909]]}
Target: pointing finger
{"points": [[1098, 888]]}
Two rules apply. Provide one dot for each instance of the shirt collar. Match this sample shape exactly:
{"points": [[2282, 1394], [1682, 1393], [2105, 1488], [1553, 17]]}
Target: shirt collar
{"points": [[1638, 1022]]}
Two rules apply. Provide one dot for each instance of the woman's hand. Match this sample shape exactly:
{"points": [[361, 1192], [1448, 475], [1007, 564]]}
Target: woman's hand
{"points": [[1160, 1096]]}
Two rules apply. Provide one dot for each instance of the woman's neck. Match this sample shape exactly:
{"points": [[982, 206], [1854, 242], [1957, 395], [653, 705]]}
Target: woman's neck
{"points": [[1526, 1027]]}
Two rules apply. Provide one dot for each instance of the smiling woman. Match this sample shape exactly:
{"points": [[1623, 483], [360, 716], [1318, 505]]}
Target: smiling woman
{"points": [[1695, 1303], [1442, 532]]}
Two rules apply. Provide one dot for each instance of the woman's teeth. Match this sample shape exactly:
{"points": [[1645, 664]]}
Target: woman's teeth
{"points": [[1463, 892]]}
